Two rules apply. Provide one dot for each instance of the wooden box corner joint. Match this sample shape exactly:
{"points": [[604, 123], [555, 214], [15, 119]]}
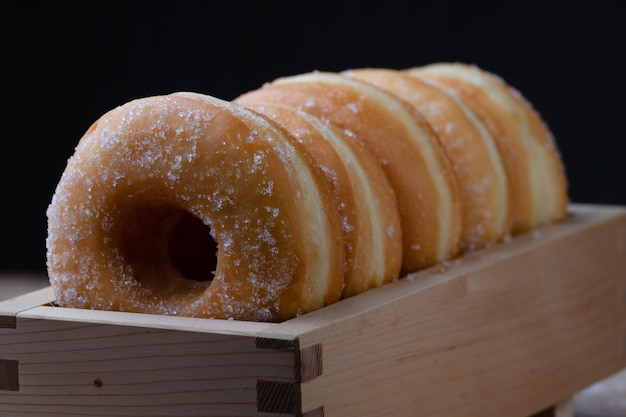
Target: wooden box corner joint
{"points": [[9, 378], [285, 397], [7, 322]]}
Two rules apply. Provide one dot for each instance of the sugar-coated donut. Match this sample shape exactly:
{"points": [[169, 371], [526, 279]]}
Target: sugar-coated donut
{"points": [[403, 142], [310, 189], [163, 190], [485, 194], [364, 197], [536, 175]]}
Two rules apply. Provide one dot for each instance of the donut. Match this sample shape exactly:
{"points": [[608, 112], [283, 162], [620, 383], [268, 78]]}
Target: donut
{"points": [[405, 145], [485, 194], [185, 204], [364, 198], [533, 164], [308, 190]]}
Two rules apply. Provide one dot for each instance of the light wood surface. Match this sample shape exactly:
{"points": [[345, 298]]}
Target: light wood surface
{"points": [[509, 331]]}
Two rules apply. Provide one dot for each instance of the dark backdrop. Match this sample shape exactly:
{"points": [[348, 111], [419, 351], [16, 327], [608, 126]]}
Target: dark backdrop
{"points": [[63, 67]]}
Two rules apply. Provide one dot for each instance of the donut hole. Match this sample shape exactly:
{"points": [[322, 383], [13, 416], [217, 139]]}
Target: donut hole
{"points": [[169, 250], [193, 249]]}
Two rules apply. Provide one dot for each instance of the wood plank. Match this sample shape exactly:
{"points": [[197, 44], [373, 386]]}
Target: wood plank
{"points": [[244, 328], [11, 307], [69, 368], [506, 331]]}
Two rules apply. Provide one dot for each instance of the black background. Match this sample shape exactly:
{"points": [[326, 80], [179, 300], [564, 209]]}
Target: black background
{"points": [[65, 66]]}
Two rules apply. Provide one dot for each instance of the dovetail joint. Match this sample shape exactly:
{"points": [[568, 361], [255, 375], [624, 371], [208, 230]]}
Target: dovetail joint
{"points": [[9, 378]]}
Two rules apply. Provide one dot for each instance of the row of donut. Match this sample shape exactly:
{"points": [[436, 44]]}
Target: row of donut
{"points": [[310, 189]]}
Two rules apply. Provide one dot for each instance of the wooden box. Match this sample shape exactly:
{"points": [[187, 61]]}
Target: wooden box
{"points": [[506, 331]]}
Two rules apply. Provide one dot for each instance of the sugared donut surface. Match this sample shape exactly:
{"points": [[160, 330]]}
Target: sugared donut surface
{"points": [[162, 191], [310, 189], [364, 197], [536, 174], [472, 150], [403, 142]]}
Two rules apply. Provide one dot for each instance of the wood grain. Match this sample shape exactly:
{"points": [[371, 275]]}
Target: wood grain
{"points": [[511, 330], [506, 331], [79, 368]]}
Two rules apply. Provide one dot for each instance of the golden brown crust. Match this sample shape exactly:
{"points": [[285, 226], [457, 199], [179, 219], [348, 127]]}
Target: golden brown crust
{"points": [[363, 197], [404, 144], [472, 150], [533, 164], [323, 186], [161, 169]]}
